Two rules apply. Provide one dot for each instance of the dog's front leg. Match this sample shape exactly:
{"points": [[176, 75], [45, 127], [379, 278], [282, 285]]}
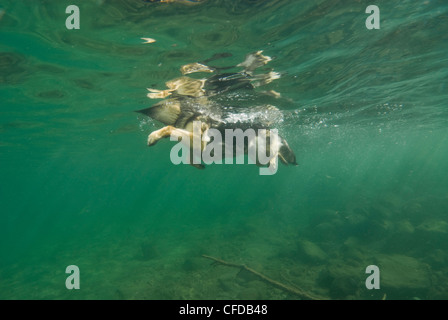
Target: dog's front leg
{"points": [[167, 131], [155, 136]]}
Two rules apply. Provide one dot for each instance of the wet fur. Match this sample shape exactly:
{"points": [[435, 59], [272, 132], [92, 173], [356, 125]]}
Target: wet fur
{"points": [[189, 102]]}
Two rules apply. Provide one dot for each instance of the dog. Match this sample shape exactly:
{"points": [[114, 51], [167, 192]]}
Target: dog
{"points": [[191, 112]]}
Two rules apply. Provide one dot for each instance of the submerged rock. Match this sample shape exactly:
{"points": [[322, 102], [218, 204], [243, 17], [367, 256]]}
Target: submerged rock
{"points": [[311, 252], [351, 252], [341, 280], [434, 226], [403, 275], [434, 232], [404, 227], [343, 287]]}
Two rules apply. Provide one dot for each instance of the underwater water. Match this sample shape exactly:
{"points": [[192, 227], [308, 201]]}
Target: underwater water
{"points": [[365, 112]]}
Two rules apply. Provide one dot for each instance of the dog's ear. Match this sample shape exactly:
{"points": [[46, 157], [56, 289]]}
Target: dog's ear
{"points": [[166, 111]]}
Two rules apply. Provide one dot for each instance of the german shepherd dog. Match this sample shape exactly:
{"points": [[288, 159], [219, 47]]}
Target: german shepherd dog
{"points": [[197, 102]]}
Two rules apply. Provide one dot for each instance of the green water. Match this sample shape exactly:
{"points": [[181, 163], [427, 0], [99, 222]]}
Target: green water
{"points": [[365, 112]]}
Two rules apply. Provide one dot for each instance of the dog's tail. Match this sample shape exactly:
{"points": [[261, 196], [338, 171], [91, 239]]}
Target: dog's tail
{"points": [[167, 112]]}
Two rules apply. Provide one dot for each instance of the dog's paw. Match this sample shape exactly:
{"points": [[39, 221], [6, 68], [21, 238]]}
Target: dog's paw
{"points": [[152, 140], [198, 166]]}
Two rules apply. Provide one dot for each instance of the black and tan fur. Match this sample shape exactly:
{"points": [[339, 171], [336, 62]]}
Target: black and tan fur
{"points": [[191, 100]]}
